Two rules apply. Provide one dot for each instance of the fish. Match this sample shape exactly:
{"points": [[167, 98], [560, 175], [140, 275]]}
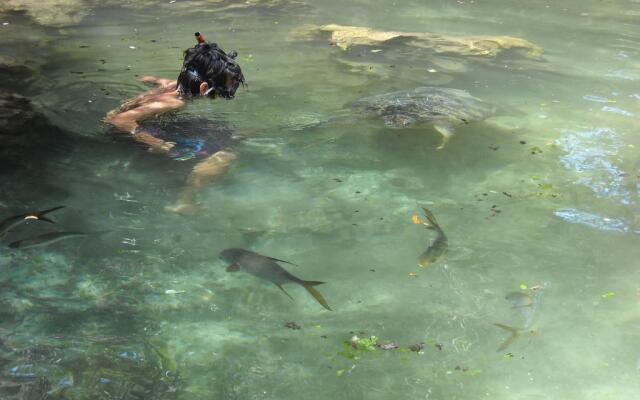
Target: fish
{"points": [[519, 299], [515, 333], [268, 268], [438, 247], [9, 223], [528, 305], [48, 238]]}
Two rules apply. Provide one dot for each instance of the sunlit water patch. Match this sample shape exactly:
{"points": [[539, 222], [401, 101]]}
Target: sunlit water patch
{"points": [[595, 220], [592, 154]]}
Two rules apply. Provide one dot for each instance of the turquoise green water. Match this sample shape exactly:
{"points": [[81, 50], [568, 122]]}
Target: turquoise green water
{"points": [[147, 311]]}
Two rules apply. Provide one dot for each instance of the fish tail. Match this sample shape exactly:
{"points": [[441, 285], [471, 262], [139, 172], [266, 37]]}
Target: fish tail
{"points": [[309, 285], [433, 223], [515, 332], [41, 214]]}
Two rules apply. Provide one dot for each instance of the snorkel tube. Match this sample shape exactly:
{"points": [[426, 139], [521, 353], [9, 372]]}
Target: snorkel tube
{"points": [[200, 38]]}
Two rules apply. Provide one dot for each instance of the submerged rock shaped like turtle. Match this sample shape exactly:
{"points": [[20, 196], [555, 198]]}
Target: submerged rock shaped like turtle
{"points": [[443, 108]]}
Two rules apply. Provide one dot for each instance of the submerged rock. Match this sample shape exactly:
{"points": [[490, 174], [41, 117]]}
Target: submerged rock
{"points": [[60, 13], [48, 12], [345, 37], [22, 129], [16, 77]]}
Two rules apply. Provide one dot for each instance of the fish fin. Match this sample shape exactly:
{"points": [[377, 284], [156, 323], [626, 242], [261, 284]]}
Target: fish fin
{"points": [[284, 291], [233, 268], [515, 332], [431, 218], [277, 259], [41, 214], [309, 285], [446, 131], [430, 226]]}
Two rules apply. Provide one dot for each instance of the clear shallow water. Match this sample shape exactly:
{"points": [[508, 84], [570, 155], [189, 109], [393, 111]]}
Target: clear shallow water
{"points": [[94, 318]]}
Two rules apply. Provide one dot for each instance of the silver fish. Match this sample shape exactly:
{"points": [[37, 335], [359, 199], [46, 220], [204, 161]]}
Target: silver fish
{"points": [[48, 238], [9, 223], [528, 304], [438, 247], [519, 299], [267, 268]]}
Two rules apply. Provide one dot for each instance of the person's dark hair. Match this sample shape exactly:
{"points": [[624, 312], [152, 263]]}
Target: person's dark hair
{"points": [[206, 62]]}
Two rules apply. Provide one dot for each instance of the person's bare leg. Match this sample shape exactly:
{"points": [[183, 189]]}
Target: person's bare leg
{"points": [[202, 174]]}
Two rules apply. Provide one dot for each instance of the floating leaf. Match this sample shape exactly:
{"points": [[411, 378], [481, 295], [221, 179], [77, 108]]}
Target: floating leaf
{"points": [[524, 286], [366, 344], [356, 346], [339, 372], [608, 295]]}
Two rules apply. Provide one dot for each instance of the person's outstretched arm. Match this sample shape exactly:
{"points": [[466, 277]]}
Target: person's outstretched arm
{"points": [[127, 117]]}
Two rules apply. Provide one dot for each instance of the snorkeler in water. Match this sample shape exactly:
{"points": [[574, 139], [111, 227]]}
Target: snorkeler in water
{"points": [[207, 71]]}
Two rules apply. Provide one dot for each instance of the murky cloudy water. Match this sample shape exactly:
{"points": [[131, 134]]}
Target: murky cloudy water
{"points": [[543, 196]]}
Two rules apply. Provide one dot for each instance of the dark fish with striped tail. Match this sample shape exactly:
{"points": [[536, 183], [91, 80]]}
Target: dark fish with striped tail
{"points": [[49, 238], [9, 223], [267, 268], [438, 247]]}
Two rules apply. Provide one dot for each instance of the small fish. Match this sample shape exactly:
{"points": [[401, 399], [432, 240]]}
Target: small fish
{"points": [[438, 247], [528, 304], [48, 238], [519, 299], [9, 223], [267, 268]]}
